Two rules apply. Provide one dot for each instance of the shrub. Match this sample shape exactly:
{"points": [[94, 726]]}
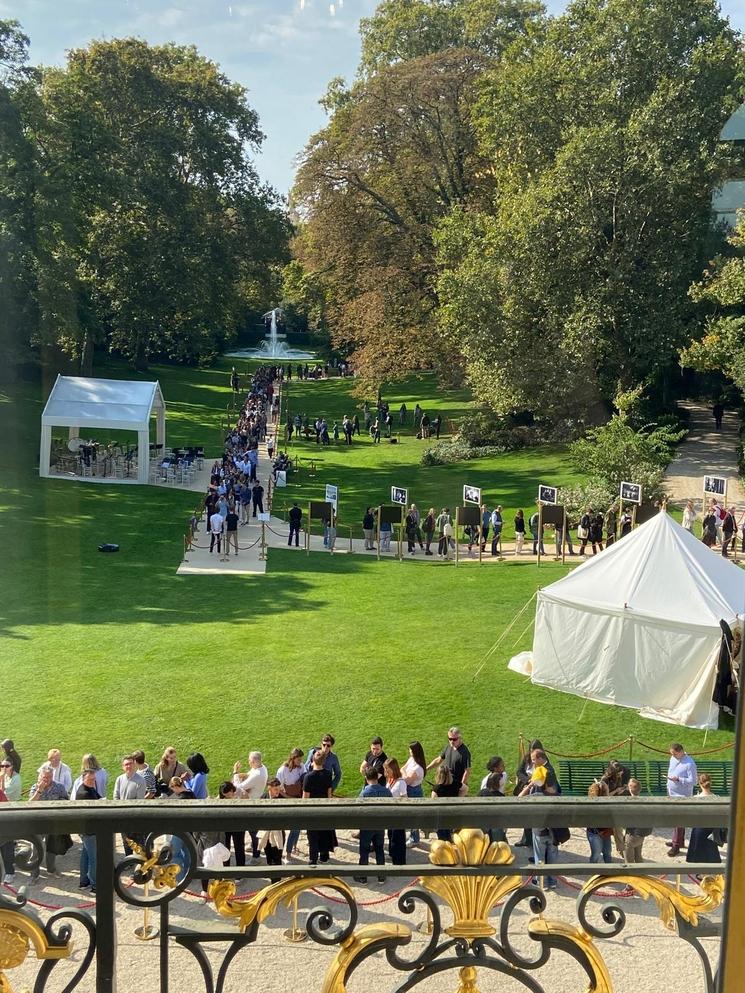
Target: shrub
{"points": [[456, 450]]}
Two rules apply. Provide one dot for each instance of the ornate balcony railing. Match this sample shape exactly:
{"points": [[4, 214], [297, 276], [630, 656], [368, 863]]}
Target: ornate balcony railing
{"points": [[470, 890]]}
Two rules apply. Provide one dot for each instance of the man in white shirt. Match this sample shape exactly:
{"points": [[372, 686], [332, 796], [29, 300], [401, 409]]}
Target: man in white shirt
{"points": [[682, 776], [60, 772], [217, 523], [250, 786], [129, 786]]}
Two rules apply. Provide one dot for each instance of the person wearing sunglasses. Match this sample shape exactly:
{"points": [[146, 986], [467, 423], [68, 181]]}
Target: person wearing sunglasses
{"points": [[330, 760], [10, 789], [457, 758]]}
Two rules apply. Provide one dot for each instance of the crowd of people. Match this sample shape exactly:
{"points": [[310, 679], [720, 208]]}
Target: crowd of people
{"points": [[317, 774], [378, 421], [720, 526]]}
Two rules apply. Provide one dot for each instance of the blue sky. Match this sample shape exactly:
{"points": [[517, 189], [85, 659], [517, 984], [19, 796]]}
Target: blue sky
{"points": [[283, 51]]}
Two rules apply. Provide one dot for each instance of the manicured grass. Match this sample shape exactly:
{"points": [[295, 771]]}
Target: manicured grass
{"points": [[107, 653]]}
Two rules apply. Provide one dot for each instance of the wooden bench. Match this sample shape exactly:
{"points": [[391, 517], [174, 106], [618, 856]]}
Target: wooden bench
{"points": [[720, 770], [577, 775]]}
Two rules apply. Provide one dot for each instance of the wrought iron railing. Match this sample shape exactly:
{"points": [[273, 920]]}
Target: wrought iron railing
{"points": [[470, 889]]}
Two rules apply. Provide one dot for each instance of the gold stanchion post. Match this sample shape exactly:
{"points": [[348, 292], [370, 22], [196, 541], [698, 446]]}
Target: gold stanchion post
{"points": [[146, 931], [294, 933], [426, 927]]}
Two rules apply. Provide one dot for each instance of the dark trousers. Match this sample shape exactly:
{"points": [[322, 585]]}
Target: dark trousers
{"points": [[294, 529], [397, 846], [273, 855], [442, 546], [427, 540], [239, 846], [374, 840], [260, 505], [215, 538], [496, 542], [8, 856], [315, 852]]}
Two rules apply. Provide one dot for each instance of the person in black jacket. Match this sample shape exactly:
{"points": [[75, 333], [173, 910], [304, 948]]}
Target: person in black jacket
{"points": [[295, 517], [87, 791]]}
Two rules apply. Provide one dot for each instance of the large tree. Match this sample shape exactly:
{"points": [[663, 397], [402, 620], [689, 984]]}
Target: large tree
{"points": [[603, 139], [398, 154]]}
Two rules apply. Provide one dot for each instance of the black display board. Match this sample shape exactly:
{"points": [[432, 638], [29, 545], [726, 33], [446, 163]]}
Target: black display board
{"points": [[320, 510], [553, 514], [468, 515], [645, 511], [390, 515]]}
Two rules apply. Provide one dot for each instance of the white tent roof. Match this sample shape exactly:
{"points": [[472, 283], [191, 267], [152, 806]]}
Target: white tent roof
{"points": [[112, 403], [658, 571]]}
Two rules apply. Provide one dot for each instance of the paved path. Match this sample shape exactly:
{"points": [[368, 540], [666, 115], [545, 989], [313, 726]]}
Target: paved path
{"points": [[705, 452]]}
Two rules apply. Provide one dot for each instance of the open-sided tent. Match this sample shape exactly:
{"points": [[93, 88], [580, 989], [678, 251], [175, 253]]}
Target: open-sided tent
{"points": [[86, 405], [638, 625]]}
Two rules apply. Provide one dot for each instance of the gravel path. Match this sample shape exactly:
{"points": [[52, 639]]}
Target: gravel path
{"points": [[705, 452]]}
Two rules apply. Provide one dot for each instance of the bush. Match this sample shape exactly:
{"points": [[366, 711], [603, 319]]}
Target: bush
{"points": [[456, 450], [595, 495]]}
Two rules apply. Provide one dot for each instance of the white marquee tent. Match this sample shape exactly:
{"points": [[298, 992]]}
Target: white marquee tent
{"points": [[86, 405], [638, 625]]}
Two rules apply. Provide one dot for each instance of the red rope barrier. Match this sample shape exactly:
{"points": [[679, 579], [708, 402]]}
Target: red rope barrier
{"points": [[366, 903]]}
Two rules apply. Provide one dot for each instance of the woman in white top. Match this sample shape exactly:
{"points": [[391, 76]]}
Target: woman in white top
{"points": [[689, 516], [250, 786], [396, 836], [413, 776], [290, 774]]}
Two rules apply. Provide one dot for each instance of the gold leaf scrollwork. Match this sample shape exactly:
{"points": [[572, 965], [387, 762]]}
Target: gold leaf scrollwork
{"points": [[668, 898], [19, 933], [467, 984], [163, 877], [264, 903], [558, 934], [365, 941], [471, 898]]}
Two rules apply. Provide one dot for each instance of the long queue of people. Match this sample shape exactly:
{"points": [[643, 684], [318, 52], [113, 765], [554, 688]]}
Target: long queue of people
{"points": [[317, 774]]}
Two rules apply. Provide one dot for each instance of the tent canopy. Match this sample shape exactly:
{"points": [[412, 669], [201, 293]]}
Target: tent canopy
{"points": [[102, 403], [82, 404], [638, 625]]}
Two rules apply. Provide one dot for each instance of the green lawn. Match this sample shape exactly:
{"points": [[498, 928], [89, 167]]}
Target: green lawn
{"points": [[107, 653]]}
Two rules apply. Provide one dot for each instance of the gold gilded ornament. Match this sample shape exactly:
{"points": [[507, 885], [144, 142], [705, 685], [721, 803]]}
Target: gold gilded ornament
{"points": [[18, 933], [364, 942], [558, 933], [468, 977], [667, 897], [471, 898], [164, 877], [264, 903]]}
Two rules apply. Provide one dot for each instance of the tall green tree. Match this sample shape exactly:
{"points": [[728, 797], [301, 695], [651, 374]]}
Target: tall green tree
{"points": [[603, 139]]}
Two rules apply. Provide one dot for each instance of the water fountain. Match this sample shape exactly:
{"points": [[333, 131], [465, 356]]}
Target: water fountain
{"points": [[273, 346]]}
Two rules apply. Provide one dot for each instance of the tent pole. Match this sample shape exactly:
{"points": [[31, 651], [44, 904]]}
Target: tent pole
{"points": [[505, 632], [584, 708]]}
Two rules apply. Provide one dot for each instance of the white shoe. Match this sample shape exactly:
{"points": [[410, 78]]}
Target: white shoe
{"points": [[285, 860], [9, 878], [411, 843]]}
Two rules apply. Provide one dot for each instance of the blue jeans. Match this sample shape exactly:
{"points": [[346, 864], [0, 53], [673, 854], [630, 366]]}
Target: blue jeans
{"points": [[374, 840], [292, 840], [180, 857], [544, 850], [415, 791], [600, 847], [88, 860]]}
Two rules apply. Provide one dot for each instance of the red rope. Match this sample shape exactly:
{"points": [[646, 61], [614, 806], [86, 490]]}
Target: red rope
{"points": [[366, 903]]}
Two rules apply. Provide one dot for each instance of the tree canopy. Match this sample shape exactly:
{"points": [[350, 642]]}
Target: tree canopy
{"points": [[151, 231]]}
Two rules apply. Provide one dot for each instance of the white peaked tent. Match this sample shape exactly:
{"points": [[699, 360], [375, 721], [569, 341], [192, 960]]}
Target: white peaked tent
{"points": [[638, 625], [85, 405]]}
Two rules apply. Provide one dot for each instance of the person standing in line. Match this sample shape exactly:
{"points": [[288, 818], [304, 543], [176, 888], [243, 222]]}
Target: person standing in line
{"points": [[356, 425], [290, 775], [428, 529], [599, 839], [372, 840], [444, 788], [368, 529], [411, 526], [199, 770], [519, 532], [633, 838], [129, 786], [10, 786], [250, 786], [317, 785], [682, 776], [442, 524], [257, 497], [348, 429], [9, 751], [388, 424], [45, 788], [217, 524], [88, 791], [496, 529], [583, 529], [169, 766], [330, 760], [535, 527], [151, 784], [295, 518], [456, 756], [90, 762], [231, 531], [611, 525], [60, 772], [689, 516], [375, 759], [227, 791], [437, 424], [402, 414], [413, 775], [729, 531], [375, 432], [397, 787], [705, 841], [414, 510], [485, 522], [542, 783], [718, 412]]}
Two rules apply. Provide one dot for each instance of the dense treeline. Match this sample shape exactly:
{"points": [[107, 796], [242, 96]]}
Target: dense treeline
{"points": [[519, 199], [131, 216]]}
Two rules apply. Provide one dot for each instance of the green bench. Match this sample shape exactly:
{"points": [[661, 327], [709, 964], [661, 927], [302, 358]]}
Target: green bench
{"points": [[720, 770], [577, 775]]}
